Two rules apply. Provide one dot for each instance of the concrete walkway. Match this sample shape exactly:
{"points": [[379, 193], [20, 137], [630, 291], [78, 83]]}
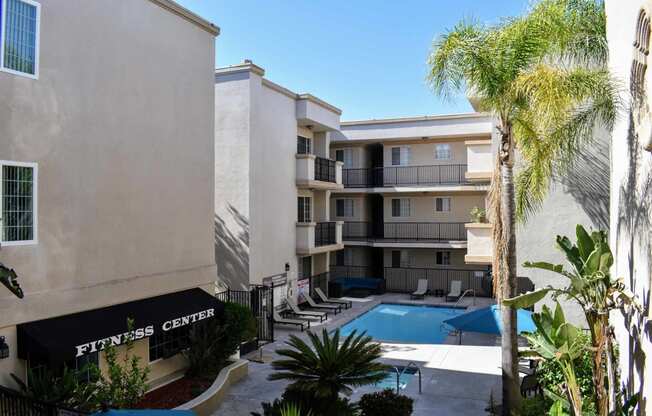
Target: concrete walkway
{"points": [[456, 379]]}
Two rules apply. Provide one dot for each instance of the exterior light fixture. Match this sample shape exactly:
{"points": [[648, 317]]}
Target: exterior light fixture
{"points": [[9, 279], [287, 267], [4, 349]]}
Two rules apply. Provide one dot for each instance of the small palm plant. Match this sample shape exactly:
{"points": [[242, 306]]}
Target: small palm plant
{"points": [[291, 409], [327, 368]]}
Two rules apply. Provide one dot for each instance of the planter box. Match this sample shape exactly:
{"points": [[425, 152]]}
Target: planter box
{"points": [[206, 403]]}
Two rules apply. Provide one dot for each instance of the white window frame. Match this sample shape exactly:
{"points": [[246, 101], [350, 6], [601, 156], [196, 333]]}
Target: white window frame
{"points": [[443, 205], [404, 155], [37, 48], [404, 207], [34, 167], [442, 254], [449, 151], [347, 203]]}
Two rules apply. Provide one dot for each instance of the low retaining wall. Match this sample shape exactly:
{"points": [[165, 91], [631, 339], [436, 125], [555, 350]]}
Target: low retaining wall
{"points": [[206, 403]]}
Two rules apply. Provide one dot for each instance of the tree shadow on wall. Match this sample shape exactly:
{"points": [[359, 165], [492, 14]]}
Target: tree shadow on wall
{"points": [[635, 202], [587, 181], [232, 249]]}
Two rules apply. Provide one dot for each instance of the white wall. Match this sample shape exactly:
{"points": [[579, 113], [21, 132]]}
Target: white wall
{"points": [[422, 208], [631, 204]]}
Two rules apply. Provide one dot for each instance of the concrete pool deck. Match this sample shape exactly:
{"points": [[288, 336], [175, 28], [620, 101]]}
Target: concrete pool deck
{"points": [[456, 379]]}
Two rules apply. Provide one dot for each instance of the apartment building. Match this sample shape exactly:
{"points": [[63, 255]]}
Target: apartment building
{"points": [[273, 180], [628, 34], [410, 186], [106, 178]]}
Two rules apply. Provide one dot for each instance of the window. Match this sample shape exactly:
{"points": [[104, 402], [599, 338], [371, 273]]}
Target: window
{"points": [[443, 151], [400, 207], [19, 37], [345, 156], [344, 208], [443, 257], [344, 257], [442, 204], [40, 367], [304, 145], [18, 191], [305, 267], [401, 156], [164, 345], [641, 51], [305, 213], [401, 258]]}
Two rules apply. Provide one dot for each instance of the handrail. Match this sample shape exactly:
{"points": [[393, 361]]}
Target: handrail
{"points": [[398, 379], [464, 294], [411, 364]]}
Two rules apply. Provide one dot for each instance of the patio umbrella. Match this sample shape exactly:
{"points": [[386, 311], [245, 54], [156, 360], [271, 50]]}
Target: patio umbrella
{"points": [[487, 320]]}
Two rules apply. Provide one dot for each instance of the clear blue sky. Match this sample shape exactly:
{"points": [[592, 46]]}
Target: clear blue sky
{"points": [[367, 57]]}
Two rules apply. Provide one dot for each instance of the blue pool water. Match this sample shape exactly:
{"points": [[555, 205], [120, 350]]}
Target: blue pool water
{"points": [[389, 382], [408, 324]]}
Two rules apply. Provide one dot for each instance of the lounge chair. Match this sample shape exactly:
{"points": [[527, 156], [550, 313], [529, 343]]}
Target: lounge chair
{"points": [[294, 309], [331, 307], [455, 292], [346, 303], [278, 319], [422, 289]]}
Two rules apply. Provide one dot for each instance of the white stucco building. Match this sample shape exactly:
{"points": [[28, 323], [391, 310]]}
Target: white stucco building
{"points": [[628, 32]]}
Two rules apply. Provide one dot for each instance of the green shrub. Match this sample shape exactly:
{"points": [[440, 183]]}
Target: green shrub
{"points": [[535, 406], [385, 403], [308, 403], [213, 341], [478, 214], [551, 378]]}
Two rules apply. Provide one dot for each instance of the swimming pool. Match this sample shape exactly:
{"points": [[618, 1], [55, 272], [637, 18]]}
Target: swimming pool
{"points": [[410, 324]]}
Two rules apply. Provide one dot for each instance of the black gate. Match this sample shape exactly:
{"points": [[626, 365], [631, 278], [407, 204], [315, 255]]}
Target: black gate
{"points": [[260, 300], [13, 403]]}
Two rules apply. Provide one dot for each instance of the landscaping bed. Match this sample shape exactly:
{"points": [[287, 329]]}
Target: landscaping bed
{"points": [[176, 393]]}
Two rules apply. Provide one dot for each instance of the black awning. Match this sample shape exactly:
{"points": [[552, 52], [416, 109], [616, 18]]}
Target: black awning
{"points": [[66, 337]]}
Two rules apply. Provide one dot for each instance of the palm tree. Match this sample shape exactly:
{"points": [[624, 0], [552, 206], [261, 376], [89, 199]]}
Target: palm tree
{"points": [[543, 77], [325, 369]]}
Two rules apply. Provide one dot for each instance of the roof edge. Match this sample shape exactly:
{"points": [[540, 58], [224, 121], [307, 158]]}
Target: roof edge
{"points": [[181, 11], [319, 102], [243, 67], [413, 119]]}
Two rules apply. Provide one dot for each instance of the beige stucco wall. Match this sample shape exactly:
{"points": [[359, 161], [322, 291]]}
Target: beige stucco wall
{"points": [[422, 208], [423, 154], [631, 203], [124, 146]]}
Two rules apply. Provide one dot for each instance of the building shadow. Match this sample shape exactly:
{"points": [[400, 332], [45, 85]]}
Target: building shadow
{"points": [[232, 249], [633, 237]]}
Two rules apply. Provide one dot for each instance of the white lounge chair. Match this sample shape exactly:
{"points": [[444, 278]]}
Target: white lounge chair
{"points": [[278, 319], [456, 291], [346, 303], [422, 289], [294, 309], [328, 306]]}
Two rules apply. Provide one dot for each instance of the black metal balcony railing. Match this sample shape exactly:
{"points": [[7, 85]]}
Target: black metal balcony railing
{"points": [[14, 403], [350, 271], [442, 231], [325, 170], [325, 234], [404, 175], [356, 230], [405, 279]]}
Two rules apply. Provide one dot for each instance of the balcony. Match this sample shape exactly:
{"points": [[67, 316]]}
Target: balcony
{"points": [[320, 237], [405, 279], [479, 243], [480, 159], [316, 172], [388, 176], [405, 231]]}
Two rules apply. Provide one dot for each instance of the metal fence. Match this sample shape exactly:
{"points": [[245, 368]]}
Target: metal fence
{"points": [[404, 175], [405, 279], [325, 234], [350, 271], [260, 300], [13, 403], [325, 170], [356, 230], [442, 231]]}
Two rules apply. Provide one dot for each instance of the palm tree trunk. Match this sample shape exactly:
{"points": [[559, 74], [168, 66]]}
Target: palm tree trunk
{"points": [[509, 344], [505, 250]]}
